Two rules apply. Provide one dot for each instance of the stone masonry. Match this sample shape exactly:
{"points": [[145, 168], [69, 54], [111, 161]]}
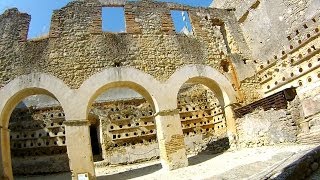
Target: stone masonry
{"points": [[238, 55]]}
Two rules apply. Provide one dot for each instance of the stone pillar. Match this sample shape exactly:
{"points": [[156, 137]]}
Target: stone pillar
{"points": [[231, 123], [171, 140], [5, 157], [230, 119], [79, 148]]}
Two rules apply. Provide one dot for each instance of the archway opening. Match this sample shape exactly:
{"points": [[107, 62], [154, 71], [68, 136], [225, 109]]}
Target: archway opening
{"points": [[37, 136], [94, 134], [203, 119], [124, 121]]}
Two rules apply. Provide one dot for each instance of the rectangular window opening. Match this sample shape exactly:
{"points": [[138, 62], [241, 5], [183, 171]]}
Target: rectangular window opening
{"points": [[113, 19], [181, 22], [38, 30]]}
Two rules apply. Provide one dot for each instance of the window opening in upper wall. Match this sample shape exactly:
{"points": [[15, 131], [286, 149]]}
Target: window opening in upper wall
{"points": [[181, 22], [113, 19]]}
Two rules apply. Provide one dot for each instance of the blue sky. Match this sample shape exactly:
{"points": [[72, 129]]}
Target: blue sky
{"points": [[41, 11]]}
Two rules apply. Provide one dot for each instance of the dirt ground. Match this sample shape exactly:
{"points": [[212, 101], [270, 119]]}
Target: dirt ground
{"points": [[249, 163]]}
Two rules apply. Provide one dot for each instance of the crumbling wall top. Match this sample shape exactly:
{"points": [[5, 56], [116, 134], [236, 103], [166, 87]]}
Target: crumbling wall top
{"points": [[14, 26]]}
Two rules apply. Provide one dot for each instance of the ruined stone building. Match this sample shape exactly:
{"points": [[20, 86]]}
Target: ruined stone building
{"points": [[247, 75]]}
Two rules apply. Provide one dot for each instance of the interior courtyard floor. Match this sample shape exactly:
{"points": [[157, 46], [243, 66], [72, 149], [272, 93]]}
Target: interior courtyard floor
{"points": [[247, 163]]}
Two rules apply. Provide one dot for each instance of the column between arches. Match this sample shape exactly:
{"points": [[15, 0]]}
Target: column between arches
{"points": [[231, 123], [79, 148], [171, 139]]}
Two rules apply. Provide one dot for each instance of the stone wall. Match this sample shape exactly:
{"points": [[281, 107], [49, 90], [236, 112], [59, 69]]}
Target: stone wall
{"points": [[125, 126], [40, 164], [38, 143], [266, 24], [14, 30], [77, 48], [202, 119], [311, 107], [298, 62], [262, 128], [273, 120], [283, 37], [297, 66]]}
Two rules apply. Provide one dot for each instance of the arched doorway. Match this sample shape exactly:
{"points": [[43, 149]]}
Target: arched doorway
{"points": [[121, 105], [204, 100], [122, 127], [11, 95]]}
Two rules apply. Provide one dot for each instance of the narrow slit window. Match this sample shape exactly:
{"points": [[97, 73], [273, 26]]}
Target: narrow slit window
{"points": [[113, 19], [181, 22]]}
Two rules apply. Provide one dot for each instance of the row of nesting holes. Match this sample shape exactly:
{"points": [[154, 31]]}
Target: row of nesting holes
{"points": [[117, 109], [309, 79], [129, 125], [194, 101], [24, 145], [53, 115], [53, 124], [268, 61], [33, 135], [114, 136], [308, 36], [292, 61], [292, 75], [197, 116], [127, 116], [299, 41], [37, 125], [201, 123], [21, 117], [305, 27], [194, 108], [291, 47], [300, 56], [133, 143]]}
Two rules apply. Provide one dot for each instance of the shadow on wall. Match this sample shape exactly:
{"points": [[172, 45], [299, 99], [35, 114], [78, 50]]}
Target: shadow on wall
{"points": [[304, 168], [214, 148]]}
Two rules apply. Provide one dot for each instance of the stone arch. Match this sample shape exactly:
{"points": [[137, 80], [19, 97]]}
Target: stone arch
{"points": [[207, 76], [11, 94], [131, 78]]}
